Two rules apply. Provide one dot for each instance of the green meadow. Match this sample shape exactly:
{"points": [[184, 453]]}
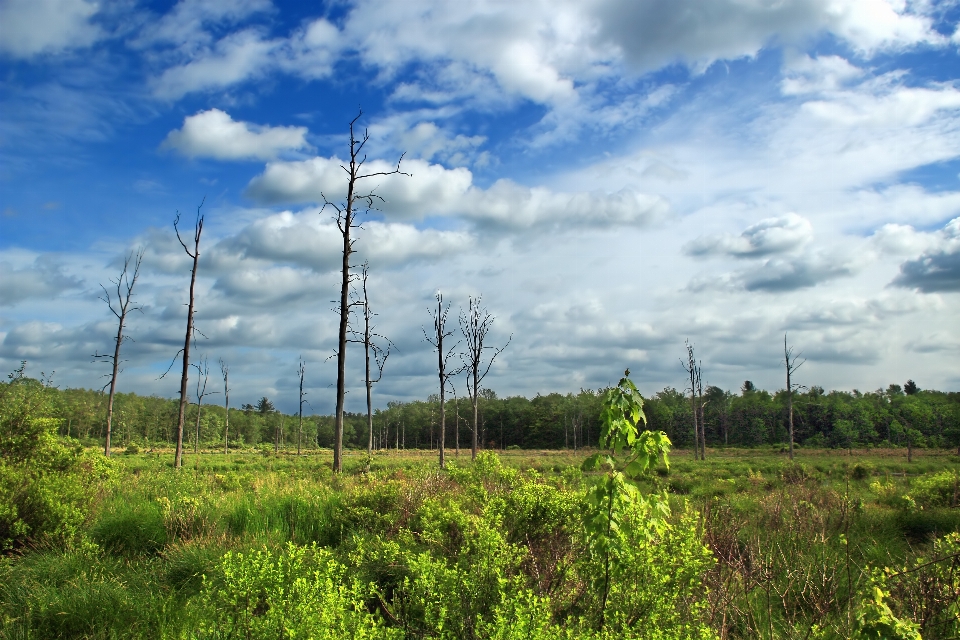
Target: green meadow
{"points": [[265, 545]]}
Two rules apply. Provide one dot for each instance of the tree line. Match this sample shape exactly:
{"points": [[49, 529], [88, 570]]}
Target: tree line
{"points": [[750, 417]]}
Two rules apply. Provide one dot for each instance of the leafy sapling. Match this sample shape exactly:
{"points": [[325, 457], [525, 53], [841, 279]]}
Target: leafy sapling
{"points": [[611, 501]]}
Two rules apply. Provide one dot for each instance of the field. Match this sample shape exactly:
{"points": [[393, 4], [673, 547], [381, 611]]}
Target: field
{"points": [[273, 545]]}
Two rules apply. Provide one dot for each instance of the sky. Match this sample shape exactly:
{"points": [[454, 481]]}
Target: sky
{"points": [[611, 177]]}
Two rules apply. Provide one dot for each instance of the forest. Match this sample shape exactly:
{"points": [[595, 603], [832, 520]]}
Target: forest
{"points": [[892, 417]]}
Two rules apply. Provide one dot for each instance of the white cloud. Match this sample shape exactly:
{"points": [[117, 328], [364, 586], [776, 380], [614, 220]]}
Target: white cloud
{"points": [[655, 34], [510, 206], [311, 240], [938, 268], [432, 190], [237, 57], [215, 134], [814, 75], [31, 27], [901, 240], [186, 24], [783, 274], [44, 279], [767, 237]]}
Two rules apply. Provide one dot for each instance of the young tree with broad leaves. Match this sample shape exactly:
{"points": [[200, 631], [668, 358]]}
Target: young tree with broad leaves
{"points": [[124, 306], [346, 213], [185, 375], [435, 339], [475, 324]]}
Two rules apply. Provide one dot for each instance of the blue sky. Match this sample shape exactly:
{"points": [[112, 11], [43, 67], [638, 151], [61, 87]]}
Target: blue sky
{"points": [[614, 177]]}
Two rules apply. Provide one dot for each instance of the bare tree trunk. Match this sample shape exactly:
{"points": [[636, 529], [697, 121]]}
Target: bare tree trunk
{"points": [[475, 325], [203, 372], [124, 281], [198, 229], [691, 368], [456, 403], [303, 370], [790, 362], [346, 221], [226, 404], [435, 339]]}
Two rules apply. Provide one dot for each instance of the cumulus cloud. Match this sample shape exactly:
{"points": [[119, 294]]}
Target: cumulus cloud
{"points": [[31, 27], [215, 134], [510, 206], [237, 57], [767, 237], [937, 269], [781, 274], [45, 278], [432, 190], [654, 34], [804, 74], [428, 141], [204, 64], [901, 240], [313, 241], [187, 24]]}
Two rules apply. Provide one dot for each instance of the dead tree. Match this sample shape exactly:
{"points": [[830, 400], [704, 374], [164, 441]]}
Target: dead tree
{"points": [[791, 364], [185, 375], [302, 370], [346, 212], [124, 283], [435, 339], [456, 404], [380, 354], [696, 384], [475, 325], [226, 404], [203, 371]]}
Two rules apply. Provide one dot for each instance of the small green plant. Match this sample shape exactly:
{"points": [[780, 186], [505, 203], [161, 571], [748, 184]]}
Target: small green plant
{"points": [[875, 620], [614, 496]]}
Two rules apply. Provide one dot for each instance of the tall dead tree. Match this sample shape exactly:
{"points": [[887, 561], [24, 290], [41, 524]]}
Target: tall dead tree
{"points": [[475, 324], [435, 339], [346, 212], [791, 364], [380, 354], [185, 375], [226, 404], [302, 370], [696, 385], [124, 284]]}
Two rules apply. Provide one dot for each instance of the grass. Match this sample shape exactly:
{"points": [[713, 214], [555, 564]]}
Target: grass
{"points": [[792, 539]]}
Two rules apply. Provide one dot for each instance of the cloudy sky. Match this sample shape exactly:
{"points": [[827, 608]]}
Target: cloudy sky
{"points": [[614, 177]]}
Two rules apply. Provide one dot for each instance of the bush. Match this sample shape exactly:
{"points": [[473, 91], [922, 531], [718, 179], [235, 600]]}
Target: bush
{"points": [[298, 592], [47, 483], [939, 490], [861, 471]]}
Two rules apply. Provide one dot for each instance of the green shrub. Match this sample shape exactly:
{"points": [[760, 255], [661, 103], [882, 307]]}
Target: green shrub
{"points": [[862, 471], [937, 490], [47, 484], [297, 592]]}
